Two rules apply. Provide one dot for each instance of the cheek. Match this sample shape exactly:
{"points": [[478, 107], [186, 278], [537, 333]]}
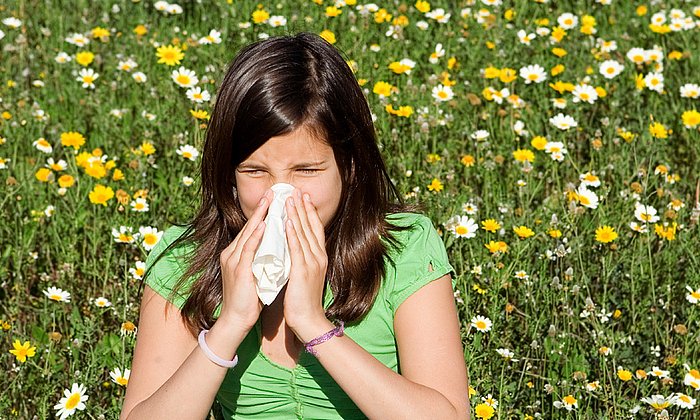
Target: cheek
{"points": [[249, 195]]}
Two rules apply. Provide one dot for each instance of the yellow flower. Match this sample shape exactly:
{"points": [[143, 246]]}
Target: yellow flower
{"points": [[492, 72], [72, 139], [332, 11], [562, 87], [660, 29], [101, 33], [435, 185], [691, 118], [117, 175], [382, 88], [668, 232], [95, 169], [624, 374], [260, 16], [523, 232], [484, 411], [539, 142], [490, 225], [557, 70], [554, 233], [66, 181], [44, 175], [147, 148], [422, 6], [639, 81], [328, 36], [399, 68], [22, 351], [641, 10], [199, 114], [658, 130], [170, 55], [101, 194], [495, 247], [140, 30], [84, 58], [467, 160], [559, 52], [558, 33], [507, 75], [605, 234], [522, 155], [381, 16], [675, 55]]}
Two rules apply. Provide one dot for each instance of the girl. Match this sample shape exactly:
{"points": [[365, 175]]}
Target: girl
{"points": [[289, 110]]}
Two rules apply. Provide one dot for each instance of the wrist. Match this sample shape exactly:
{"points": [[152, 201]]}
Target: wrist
{"points": [[310, 330]]}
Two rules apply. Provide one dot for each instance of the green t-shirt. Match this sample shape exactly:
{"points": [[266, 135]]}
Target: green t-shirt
{"points": [[259, 388]]}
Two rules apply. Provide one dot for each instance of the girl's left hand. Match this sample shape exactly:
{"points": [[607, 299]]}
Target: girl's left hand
{"points": [[303, 301]]}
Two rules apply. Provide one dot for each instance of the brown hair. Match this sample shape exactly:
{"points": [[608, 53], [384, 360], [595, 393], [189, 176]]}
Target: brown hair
{"points": [[271, 88]]}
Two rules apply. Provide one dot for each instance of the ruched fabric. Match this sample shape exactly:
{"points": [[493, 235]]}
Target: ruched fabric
{"points": [[258, 388]]}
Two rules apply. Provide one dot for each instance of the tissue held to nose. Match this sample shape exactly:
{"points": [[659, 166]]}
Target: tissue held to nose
{"points": [[271, 263]]}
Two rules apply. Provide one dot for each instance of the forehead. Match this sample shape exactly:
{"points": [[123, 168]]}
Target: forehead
{"points": [[292, 148]]}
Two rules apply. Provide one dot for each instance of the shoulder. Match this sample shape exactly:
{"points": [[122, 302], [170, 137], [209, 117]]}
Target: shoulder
{"points": [[166, 263], [416, 258]]}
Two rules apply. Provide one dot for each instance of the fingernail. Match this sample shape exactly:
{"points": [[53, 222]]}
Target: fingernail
{"points": [[290, 200], [307, 197], [261, 226], [262, 201], [289, 224]]}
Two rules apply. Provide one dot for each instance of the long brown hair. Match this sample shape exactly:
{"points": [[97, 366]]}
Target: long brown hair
{"points": [[272, 88]]}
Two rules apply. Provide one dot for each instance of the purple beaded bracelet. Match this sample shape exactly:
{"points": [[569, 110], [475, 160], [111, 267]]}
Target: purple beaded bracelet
{"points": [[335, 332]]}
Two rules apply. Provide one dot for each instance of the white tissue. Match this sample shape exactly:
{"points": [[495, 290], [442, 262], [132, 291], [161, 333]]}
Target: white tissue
{"points": [[271, 263]]}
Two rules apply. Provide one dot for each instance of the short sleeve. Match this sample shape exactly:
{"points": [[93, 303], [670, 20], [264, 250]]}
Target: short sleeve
{"points": [[420, 259], [164, 272]]}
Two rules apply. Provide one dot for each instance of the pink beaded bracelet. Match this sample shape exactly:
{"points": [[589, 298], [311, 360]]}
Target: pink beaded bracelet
{"points": [[210, 354], [335, 332]]}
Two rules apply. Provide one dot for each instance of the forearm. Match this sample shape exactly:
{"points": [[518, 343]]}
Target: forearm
{"points": [[377, 390], [190, 391]]}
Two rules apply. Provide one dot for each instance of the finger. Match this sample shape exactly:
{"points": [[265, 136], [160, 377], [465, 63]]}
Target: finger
{"points": [[295, 250], [298, 230], [250, 226], [315, 221], [249, 247]]}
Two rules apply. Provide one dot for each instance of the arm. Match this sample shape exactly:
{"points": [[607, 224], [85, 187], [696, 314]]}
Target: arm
{"points": [[170, 376], [433, 380]]}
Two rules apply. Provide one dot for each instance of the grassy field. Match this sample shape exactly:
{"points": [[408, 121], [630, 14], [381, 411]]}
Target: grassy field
{"points": [[555, 144]]}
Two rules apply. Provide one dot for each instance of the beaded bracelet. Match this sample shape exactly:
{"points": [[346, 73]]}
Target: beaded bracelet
{"points": [[210, 354], [335, 332]]}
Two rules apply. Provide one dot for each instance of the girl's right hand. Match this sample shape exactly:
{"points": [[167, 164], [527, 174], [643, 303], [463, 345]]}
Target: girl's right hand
{"points": [[241, 306]]}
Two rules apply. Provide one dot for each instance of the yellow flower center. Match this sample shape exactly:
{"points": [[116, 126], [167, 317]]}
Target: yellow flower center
{"points": [[150, 239], [56, 297], [186, 155], [183, 79], [122, 381], [88, 79], [481, 325], [569, 399], [461, 230], [73, 401]]}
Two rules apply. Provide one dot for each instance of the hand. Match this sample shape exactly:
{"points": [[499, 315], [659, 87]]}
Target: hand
{"points": [[303, 300], [241, 306]]}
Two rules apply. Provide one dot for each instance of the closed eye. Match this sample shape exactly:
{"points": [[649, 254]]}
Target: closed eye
{"points": [[308, 171]]}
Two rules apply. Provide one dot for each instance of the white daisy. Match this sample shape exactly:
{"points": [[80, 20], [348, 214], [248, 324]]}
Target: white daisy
{"points": [[610, 68], [139, 205], [276, 21], [139, 77], [585, 93], [120, 378], [563, 122], [62, 58], [87, 77], [685, 401], [586, 197], [690, 90], [73, 400], [438, 15], [525, 37], [124, 235], [197, 95], [43, 145], [184, 77], [59, 295], [589, 179], [188, 152], [462, 226], [481, 323], [533, 73], [127, 65], [645, 214], [567, 21], [187, 181], [442, 93], [693, 297], [479, 135], [77, 39], [654, 81], [637, 55], [214, 37], [102, 302], [12, 22], [151, 236], [138, 271]]}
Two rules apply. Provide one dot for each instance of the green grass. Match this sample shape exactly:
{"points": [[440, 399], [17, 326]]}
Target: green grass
{"points": [[556, 350]]}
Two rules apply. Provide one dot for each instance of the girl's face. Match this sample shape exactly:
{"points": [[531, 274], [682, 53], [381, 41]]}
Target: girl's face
{"points": [[299, 159]]}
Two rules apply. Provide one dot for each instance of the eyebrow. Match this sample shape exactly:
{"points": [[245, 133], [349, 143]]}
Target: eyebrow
{"points": [[300, 165]]}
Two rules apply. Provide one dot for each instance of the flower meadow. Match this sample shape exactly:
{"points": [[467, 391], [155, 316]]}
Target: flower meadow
{"points": [[554, 144]]}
